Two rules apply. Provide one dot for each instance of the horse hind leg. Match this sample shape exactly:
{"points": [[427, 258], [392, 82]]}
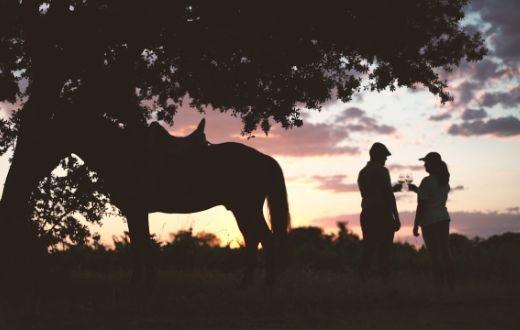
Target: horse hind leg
{"points": [[255, 230], [267, 240], [251, 260], [251, 239]]}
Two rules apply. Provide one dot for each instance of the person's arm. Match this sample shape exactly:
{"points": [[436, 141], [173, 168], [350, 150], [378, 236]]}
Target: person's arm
{"points": [[419, 214], [422, 203], [397, 187], [391, 200], [396, 214]]}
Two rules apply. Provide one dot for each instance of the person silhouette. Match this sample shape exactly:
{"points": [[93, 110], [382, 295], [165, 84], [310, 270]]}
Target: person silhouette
{"points": [[433, 217], [379, 217]]}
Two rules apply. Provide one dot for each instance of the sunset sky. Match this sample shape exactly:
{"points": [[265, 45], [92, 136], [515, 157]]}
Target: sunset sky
{"points": [[478, 135]]}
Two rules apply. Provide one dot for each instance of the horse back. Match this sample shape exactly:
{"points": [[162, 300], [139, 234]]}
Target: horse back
{"points": [[226, 174]]}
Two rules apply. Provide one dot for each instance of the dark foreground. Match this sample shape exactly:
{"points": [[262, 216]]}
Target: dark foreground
{"points": [[303, 300]]}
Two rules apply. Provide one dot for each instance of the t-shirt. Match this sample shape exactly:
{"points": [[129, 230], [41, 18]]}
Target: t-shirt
{"points": [[436, 195], [376, 189]]}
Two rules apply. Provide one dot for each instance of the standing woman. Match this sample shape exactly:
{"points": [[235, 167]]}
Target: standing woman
{"points": [[433, 217]]}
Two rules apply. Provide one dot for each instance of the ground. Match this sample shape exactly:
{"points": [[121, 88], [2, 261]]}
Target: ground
{"points": [[303, 299]]}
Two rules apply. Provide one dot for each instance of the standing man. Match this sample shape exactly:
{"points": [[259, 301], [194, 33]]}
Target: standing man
{"points": [[379, 216]]}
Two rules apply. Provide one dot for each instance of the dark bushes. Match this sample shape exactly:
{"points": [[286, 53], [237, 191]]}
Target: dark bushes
{"points": [[309, 248]]}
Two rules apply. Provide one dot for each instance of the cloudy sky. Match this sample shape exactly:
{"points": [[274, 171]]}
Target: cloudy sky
{"points": [[478, 135]]}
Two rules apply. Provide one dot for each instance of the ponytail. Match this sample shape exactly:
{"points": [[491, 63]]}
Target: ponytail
{"points": [[442, 173]]}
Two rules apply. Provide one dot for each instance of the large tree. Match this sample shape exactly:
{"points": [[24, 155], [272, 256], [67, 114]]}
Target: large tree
{"points": [[260, 60]]}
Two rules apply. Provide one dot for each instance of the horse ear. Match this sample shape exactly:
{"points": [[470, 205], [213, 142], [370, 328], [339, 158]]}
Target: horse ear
{"points": [[155, 125], [201, 126]]}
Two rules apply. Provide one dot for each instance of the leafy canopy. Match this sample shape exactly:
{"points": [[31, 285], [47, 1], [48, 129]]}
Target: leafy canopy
{"points": [[257, 59], [63, 204]]}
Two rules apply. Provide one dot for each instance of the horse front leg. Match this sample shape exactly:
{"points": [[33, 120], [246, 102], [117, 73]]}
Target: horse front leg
{"points": [[248, 228], [251, 260], [140, 246]]}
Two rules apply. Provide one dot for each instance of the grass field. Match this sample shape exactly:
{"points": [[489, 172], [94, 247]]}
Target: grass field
{"points": [[303, 299]]}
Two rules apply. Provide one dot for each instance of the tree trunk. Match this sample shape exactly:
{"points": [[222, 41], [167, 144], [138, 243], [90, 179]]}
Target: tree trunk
{"points": [[35, 155]]}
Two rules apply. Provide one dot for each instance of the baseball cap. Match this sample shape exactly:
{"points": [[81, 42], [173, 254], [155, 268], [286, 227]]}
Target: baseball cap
{"points": [[431, 156], [379, 149]]}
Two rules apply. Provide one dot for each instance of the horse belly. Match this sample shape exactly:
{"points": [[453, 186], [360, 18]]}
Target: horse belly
{"points": [[187, 198], [184, 206]]}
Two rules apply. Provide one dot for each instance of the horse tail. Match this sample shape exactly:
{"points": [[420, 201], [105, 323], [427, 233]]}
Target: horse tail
{"points": [[278, 205]]}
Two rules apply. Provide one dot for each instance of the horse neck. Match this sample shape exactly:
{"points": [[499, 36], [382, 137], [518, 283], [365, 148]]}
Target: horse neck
{"points": [[105, 150]]}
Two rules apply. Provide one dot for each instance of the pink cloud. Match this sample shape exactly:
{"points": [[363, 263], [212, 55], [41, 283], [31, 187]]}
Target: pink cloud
{"points": [[471, 224], [472, 114], [504, 26], [457, 188], [312, 139], [335, 183], [440, 117], [356, 120], [508, 99], [400, 167], [350, 113], [308, 140], [500, 127]]}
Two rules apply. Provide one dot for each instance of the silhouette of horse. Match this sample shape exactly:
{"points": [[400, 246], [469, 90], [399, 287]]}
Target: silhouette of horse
{"points": [[141, 179]]}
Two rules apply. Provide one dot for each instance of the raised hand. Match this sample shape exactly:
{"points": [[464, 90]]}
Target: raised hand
{"points": [[397, 225], [415, 231], [413, 187], [397, 187]]}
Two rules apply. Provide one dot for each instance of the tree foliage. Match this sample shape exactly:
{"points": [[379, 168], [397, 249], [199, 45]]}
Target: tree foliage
{"points": [[8, 131], [185, 239], [261, 60], [64, 203]]}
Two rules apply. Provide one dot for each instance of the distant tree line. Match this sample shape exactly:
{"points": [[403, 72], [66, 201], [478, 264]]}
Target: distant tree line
{"points": [[73, 196], [310, 248]]}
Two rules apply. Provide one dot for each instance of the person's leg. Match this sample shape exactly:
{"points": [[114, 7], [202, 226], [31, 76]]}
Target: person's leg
{"points": [[368, 245], [431, 235], [385, 244], [447, 261], [367, 255]]}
